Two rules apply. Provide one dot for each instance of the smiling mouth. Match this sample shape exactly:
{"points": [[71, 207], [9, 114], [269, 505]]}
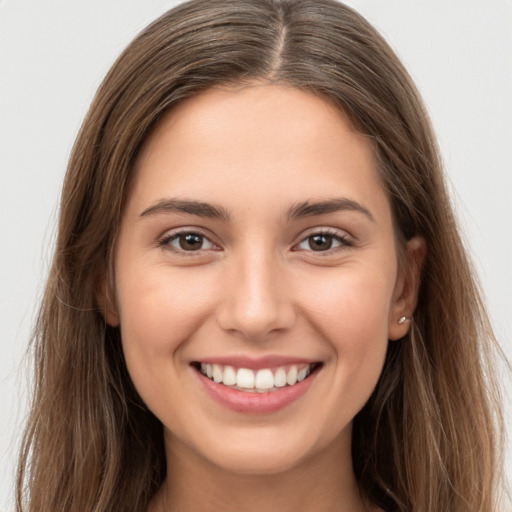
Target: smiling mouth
{"points": [[264, 380]]}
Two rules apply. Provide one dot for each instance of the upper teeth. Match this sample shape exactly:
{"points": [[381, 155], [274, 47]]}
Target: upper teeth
{"points": [[262, 380]]}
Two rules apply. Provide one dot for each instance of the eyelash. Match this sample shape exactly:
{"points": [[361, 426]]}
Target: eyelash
{"points": [[343, 241], [168, 239], [333, 235]]}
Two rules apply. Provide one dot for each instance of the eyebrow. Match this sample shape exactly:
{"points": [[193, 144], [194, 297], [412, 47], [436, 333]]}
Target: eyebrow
{"points": [[297, 211], [185, 206], [308, 209]]}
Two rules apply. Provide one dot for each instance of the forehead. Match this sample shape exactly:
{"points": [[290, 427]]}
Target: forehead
{"points": [[260, 142]]}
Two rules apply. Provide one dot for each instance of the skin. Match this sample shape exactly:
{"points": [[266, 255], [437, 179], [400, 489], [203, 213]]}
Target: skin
{"points": [[253, 286]]}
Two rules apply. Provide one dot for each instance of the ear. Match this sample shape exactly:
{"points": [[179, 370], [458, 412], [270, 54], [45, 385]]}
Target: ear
{"points": [[105, 298], [405, 296]]}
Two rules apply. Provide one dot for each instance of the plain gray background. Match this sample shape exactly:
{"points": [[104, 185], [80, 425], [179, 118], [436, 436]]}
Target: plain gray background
{"points": [[54, 53]]}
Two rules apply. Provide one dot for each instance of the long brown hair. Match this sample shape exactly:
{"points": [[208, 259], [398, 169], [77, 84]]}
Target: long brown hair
{"points": [[427, 440]]}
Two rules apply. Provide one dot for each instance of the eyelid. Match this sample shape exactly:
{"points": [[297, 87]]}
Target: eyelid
{"points": [[174, 234], [345, 240]]}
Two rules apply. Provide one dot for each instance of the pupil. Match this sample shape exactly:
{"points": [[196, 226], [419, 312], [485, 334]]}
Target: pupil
{"points": [[191, 242], [320, 242]]}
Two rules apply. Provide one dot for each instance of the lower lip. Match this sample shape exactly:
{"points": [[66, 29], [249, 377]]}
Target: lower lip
{"points": [[254, 402]]}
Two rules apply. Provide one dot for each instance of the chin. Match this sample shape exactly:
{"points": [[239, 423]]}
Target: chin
{"points": [[266, 452], [258, 462]]}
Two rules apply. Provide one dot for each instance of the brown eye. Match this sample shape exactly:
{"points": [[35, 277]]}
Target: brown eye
{"points": [[320, 242], [188, 241], [324, 242]]}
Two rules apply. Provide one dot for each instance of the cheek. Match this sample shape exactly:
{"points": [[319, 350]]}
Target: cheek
{"points": [[159, 311], [352, 316], [353, 306]]}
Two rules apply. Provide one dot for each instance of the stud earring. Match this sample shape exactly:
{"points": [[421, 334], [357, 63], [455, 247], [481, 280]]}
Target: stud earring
{"points": [[403, 319]]}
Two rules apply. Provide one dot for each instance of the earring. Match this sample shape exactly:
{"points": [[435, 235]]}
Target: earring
{"points": [[403, 319]]}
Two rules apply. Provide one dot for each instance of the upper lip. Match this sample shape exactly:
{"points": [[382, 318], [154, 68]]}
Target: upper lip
{"points": [[256, 363]]}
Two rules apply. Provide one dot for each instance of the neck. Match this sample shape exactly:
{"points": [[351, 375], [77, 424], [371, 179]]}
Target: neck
{"points": [[323, 482]]}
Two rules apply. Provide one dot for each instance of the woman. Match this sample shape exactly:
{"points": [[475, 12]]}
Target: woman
{"points": [[259, 297]]}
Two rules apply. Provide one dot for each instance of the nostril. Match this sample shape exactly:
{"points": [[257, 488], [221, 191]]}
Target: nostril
{"points": [[255, 321]]}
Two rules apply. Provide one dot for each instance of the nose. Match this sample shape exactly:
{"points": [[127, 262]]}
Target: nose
{"points": [[256, 300]]}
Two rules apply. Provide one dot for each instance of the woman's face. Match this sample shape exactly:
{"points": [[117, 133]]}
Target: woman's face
{"points": [[257, 247]]}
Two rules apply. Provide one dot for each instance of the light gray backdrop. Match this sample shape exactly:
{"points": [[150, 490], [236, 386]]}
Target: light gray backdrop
{"points": [[54, 53]]}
